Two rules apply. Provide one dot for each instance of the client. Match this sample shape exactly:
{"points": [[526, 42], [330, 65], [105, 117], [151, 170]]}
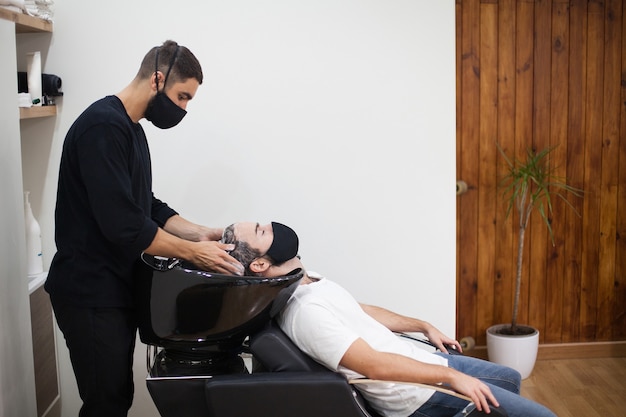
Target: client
{"points": [[329, 325]]}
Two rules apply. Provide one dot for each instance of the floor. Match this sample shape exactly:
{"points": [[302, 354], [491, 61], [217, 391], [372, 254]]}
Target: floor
{"points": [[579, 387]]}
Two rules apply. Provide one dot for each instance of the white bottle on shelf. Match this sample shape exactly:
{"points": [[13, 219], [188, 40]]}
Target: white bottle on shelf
{"points": [[33, 76], [34, 256]]}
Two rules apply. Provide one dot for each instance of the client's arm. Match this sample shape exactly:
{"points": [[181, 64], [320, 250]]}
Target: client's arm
{"points": [[399, 323], [362, 358]]}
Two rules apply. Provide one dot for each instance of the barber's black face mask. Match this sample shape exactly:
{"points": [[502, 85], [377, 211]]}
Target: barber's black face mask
{"points": [[162, 111]]}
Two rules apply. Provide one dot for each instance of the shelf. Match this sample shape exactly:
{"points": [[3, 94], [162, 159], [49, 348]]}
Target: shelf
{"points": [[25, 23], [37, 111]]}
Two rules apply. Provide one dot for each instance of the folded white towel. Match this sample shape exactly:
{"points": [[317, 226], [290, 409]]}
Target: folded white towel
{"points": [[24, 100], [42, 9], [15, 3]]}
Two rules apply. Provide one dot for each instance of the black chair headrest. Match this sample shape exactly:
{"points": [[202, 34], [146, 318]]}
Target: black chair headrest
{"points": [[277, 353]]}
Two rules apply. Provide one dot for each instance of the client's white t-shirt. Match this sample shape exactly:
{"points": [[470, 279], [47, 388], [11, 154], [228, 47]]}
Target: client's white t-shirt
{"points": [[323, 320]]}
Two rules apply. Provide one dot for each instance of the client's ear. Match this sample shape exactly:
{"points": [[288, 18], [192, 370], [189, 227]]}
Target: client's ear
{"points": [[260, 265]]}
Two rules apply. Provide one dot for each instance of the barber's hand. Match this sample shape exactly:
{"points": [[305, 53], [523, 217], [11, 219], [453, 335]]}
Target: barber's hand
{"points": [[474, 388], [212, 256], [441, 340]]}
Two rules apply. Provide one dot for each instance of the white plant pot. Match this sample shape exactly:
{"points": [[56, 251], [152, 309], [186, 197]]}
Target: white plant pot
{"points": [[517, 352]]}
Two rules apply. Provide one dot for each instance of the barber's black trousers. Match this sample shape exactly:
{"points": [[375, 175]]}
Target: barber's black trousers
{"points": [[101, 342]]}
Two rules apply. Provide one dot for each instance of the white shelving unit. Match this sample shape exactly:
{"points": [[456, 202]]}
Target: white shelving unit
{"points": [[44, 358]]}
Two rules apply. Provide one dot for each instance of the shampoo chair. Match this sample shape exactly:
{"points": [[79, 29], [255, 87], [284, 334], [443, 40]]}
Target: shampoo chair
{"points": [[199, 326], [196, 325]]}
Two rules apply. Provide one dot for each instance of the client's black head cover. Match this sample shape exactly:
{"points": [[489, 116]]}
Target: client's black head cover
{"points": [[285, 244]]}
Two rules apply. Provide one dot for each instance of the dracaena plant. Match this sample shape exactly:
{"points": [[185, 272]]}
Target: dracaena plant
{"points": [[529, 185]]}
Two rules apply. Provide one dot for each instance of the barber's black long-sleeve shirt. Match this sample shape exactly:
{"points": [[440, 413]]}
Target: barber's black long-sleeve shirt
{"points": [[106, 213]]}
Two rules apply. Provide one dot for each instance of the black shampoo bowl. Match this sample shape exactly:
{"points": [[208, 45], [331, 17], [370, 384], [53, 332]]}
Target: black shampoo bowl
{"points": [[195, 313]]}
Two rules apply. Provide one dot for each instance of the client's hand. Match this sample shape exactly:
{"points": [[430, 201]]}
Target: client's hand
{"points": [[480, 393], [441, 340]]}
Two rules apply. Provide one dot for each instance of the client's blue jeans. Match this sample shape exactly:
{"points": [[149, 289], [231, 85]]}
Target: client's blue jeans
{"points": [[504, 383]]}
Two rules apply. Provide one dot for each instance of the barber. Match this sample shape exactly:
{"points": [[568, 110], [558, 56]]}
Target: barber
{"points": [[106, 216]]}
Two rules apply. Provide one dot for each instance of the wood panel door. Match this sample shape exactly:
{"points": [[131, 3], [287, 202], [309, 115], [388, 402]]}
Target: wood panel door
{"points": [[533, 74]]}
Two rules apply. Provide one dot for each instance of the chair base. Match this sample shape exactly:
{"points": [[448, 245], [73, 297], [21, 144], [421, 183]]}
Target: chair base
{"points": [[177, 384]]}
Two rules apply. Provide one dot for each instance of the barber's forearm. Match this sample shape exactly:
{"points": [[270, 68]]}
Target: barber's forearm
{"points": [[169, 245], [187, 230], [206, 255]]}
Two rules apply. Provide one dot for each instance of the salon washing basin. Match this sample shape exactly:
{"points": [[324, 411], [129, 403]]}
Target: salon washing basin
{"points": [[202, 314]]}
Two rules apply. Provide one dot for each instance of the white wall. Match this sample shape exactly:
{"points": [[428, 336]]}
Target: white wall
{"points": [[333, 116]]}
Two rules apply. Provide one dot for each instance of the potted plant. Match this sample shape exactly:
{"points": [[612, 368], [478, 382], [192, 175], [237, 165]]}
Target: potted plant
{"points": [[528, 185]]}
